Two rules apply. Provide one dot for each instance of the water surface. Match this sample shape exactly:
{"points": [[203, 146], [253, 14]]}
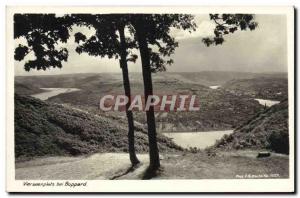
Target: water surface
{"points": [[214, 87], [50, 92], [268, 103], [200, 140]]}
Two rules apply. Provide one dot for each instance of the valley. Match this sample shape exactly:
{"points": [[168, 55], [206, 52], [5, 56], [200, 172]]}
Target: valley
{"points": [[221, 109], [65, 121]]}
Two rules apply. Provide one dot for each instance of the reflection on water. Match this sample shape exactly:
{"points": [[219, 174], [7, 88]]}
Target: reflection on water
{"points": [[50, 92], [200, 140], [268, 103]]}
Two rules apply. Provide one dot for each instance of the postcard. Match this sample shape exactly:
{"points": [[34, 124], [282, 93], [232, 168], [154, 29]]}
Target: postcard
{"points": [[150, 99]]}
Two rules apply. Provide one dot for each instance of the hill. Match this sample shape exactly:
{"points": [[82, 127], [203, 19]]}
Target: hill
{"points": [[48, 129], [84, 80], [267, 130], [272, 88], [220, 109]]}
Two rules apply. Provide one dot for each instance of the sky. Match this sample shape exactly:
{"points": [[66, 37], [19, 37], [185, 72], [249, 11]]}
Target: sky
{"points": [[259, 51]]}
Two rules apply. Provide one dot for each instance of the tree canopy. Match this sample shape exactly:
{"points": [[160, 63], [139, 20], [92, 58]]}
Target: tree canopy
{"points": [[43, 33], [157, 30], [228, 24], [106, 41]]}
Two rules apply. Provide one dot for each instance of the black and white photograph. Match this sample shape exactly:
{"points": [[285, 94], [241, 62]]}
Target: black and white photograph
{"points": [[101, 99]]}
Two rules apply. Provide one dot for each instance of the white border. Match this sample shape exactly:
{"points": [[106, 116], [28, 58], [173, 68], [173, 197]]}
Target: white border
{"points": [[205, 185]]}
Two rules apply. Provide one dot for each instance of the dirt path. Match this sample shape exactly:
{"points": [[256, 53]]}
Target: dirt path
{"points": [[223, 165], [97, 166]]}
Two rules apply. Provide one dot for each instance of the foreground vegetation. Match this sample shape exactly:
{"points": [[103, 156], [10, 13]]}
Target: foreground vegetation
{"points": [[266, 130], [47, 129]]}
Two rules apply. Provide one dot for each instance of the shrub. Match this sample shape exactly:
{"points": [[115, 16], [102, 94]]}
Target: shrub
{"points": [[279, 142]]}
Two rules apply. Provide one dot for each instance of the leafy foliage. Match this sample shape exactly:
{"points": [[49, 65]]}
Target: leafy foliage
{"points": [[228, 24], [43, 33], [279, 142], [267, 130], [79, 37], [157, 28], [20, 52], [106, 41]]}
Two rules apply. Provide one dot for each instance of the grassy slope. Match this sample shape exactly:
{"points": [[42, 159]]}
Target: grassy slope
{"points": [[44, 128], [267, 130], [26, 89]]}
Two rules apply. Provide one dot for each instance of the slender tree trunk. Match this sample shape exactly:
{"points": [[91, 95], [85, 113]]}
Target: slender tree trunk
{"points": [[148, 90], [123, 64]]}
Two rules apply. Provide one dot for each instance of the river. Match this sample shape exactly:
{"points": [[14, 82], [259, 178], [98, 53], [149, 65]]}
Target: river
{"points": [[214, 86], [268, 103], [200, 140], [50, 92]]}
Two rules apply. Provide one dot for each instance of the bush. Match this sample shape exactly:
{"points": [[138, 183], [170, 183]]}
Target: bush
{"points": [[279, 142]]}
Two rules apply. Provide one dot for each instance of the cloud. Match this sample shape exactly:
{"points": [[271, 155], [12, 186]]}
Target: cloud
{"points": [[262, 50], [205, 28]]}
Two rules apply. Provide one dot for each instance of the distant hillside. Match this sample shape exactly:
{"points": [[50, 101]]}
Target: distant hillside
{"points": [[95, 80], [26, 89], [44, 128], [210, 78], [263, 87], [221, 109], [267, 130], [215, 104]]}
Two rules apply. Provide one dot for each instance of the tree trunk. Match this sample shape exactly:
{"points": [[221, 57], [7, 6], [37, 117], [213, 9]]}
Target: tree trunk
{"points": [[148, 90], [123, 64]]}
